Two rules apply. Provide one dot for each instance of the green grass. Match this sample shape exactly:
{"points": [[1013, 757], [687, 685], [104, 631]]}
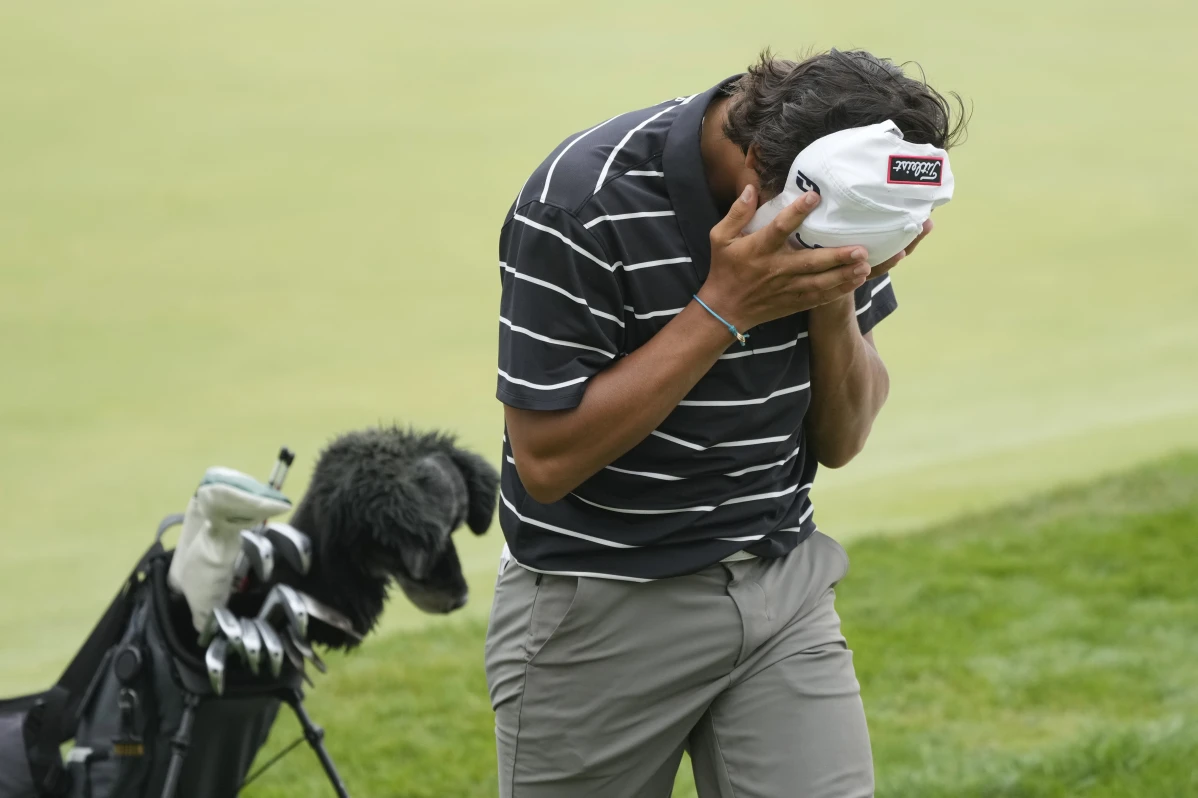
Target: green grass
{"points": [[1046, 650]]}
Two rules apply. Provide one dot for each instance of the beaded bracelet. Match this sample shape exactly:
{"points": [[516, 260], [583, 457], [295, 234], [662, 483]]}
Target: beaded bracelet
{"points": [[735, 332]]}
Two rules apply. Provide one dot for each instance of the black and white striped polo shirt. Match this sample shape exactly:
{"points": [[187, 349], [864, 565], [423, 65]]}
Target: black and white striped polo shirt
{"points": [[606, 242]]}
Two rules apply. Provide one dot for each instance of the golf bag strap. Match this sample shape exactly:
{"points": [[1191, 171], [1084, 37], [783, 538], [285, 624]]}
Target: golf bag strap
{"points": [[42, 743], [79, 674]]}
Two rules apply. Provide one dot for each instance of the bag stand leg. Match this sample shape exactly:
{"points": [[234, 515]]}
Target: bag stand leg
{"points": [[179, 745], [315, 737]]}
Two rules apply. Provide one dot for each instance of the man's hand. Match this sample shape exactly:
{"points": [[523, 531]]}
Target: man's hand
{"points": [[760, 277]]}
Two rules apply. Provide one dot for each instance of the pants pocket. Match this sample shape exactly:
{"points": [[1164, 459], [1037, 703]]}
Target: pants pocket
{"points": [[554, 610]]}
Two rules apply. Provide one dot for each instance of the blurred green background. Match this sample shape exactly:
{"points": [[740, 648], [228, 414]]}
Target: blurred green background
{"points": [[229, 226]]}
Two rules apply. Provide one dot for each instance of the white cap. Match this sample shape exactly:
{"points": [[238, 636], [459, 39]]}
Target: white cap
{"points": [[876, 190]]}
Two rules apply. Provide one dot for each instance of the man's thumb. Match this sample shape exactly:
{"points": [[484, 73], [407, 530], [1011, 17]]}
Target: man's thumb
{"points": [[738, 215]]}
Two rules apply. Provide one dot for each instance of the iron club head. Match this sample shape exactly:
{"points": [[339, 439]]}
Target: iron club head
{"points": [[285, 600], [214, 659], [305, 650], [272, 645], [296, 658], [260, 553], [322, 612], [251, 640], [292, 545], [230, 628]]}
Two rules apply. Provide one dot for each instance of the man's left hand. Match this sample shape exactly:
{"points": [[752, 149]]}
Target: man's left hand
{"points": [[886, 266]]}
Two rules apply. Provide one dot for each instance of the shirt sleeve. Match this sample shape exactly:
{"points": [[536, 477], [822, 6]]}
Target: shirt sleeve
{"points": [[875, 301], [561, 309]]}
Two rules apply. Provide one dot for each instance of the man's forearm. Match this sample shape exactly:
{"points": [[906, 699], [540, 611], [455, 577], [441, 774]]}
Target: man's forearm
{"points": [[556, 451], [849, 383]]}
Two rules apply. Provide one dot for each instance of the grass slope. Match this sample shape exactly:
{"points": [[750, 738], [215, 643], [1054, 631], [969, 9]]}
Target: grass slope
{"points": [[225, 226], [1047, 650]]}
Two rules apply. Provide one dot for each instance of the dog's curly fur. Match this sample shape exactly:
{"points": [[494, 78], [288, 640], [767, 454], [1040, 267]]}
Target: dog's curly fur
{"points": [[380, 507]]}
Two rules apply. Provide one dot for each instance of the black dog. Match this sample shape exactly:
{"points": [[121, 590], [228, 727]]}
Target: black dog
{"points": [[380, 507]]}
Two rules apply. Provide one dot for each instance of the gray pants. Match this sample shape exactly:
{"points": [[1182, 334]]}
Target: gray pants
{"points": [[598, 686]]}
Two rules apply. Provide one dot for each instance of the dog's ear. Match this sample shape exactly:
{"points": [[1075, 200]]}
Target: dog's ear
{"points": [[482, 488]]}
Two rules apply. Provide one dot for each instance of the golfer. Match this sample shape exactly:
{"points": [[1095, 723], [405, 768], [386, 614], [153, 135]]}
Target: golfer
{"points": [[670, 387]]}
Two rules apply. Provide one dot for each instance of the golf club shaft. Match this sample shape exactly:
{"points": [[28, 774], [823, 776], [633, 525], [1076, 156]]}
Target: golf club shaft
{"points": [[279, 473]]}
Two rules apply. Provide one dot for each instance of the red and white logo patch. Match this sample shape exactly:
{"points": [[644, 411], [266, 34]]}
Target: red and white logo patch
{"points": [[915, 170]]}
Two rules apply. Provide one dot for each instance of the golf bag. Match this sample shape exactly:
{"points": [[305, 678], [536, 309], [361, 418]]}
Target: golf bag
{"points": [[138, 704]]}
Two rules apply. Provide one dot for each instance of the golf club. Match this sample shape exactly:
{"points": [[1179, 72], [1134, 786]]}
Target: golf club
{"points": [[230, 628], [319, 611], [252, 643], [305, 650], [293, 546], [279, 472], [258, 555], [214, 659], [283, 599], [272, 645], [297, 659], [221, 621]]}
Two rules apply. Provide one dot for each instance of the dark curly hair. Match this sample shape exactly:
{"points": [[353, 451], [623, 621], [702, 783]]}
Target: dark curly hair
{"points": [[782, 106]]}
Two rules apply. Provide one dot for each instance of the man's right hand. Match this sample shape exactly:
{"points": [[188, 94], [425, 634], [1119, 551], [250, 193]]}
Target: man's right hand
{"points": [[759, 277]]}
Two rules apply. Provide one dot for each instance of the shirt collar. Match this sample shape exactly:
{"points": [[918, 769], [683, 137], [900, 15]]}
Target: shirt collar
{"points": [[686, 179]]}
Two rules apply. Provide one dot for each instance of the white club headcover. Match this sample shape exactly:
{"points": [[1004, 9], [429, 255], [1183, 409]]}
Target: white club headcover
{"points": [[226, 502], [876, 190]]}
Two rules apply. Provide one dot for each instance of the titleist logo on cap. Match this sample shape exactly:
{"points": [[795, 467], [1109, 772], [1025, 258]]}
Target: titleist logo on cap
{"points": [[915, 170]]}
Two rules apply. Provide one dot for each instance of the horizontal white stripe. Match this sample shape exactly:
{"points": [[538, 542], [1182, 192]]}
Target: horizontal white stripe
{"points": [[880, 286], [685, 100], [755, 441], [701, 509], [764, 467], [562, 530], [643, 173], [616, 150], [651, 263], [864, 307], [525, 331], [700, 448], [584, 574], [552, 166], [538, 386], [679, 441], [558, 234], [765, 349], [759, 496], [511, 459], [655, 313], [739, 402], [742, 539], [649, 474], [559, 290], [616, 217]]}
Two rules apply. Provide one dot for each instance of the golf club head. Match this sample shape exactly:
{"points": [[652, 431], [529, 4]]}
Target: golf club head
{"points": [[251, 640], [293, 546], [284, 600], [259, 553], [305, 650], [319, 611], [214, 660], [296, 658], [230, 628], [272, 645]]}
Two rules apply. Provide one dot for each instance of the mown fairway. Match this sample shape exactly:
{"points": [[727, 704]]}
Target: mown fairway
{"points": [[224, 227]]}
